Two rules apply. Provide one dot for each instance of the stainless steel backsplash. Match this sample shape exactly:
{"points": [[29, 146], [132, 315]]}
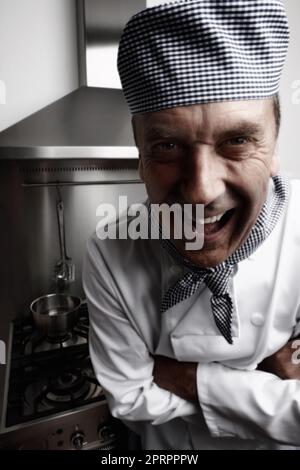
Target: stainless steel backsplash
{"points": [[29, 230]]}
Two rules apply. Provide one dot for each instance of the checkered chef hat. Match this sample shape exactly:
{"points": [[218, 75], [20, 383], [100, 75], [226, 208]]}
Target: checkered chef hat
{"points": [[198, 51]]}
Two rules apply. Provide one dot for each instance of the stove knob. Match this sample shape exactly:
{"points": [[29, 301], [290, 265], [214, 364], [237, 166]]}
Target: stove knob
{"points": [[106, 433], [77, 440]]}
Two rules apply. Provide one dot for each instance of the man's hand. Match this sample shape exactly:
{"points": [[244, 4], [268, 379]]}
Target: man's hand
{"points": [[281, 363], [176, 377], [180, 377]]}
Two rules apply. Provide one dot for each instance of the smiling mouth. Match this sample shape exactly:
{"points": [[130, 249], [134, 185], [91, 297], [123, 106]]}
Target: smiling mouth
{"points": [[213, 225]]}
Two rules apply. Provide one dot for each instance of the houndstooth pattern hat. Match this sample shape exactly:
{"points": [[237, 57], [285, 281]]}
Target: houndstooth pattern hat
{"points": [[199, 51]]}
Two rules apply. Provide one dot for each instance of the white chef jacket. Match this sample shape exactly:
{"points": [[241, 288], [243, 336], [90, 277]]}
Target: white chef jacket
{"points": [[239, 406]]}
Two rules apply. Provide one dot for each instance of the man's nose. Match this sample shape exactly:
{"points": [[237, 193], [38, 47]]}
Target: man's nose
{"points": [[203, 178]]}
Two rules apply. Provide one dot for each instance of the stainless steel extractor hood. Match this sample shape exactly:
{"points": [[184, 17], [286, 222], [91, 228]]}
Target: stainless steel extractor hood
{"points": [[93, 121]]}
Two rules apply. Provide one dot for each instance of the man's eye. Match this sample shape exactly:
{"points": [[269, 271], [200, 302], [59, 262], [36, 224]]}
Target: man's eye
{"points": [[166, 146], [165, 152], [238, 141]]}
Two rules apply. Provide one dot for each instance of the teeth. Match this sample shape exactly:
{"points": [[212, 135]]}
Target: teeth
{"points": [[211, 220]]}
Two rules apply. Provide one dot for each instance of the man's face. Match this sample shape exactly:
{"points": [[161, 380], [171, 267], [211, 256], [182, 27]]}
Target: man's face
{"points": [[220, 155]]}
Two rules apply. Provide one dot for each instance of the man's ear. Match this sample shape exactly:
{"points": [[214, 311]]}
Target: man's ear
{"points": [[274, 167], [141, 168], [134, 129]]}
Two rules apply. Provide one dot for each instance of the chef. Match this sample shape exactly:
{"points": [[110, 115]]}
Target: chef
{"points": [[194, 348]]}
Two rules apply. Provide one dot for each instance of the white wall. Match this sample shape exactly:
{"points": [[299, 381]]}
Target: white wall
{"points": [[38, 55], [38, 64], [153, 3]]}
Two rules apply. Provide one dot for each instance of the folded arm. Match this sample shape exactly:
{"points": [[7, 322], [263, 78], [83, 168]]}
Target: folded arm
{"points": [[237, 403]]}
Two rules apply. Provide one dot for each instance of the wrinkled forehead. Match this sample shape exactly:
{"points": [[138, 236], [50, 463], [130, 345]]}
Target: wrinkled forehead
{"points": [[220, 116]]}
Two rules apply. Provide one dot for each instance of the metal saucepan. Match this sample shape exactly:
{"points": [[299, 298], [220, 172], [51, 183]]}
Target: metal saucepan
{"points": [[55, 314]]}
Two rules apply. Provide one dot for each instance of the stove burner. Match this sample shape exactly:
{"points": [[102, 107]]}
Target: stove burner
{"points": [[61, 388], [35, 343], [48, 377], [52, 386], [69, 386], [59, 339]]}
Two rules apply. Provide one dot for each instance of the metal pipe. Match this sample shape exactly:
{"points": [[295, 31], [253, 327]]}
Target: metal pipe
{"points": [[80, 183]]}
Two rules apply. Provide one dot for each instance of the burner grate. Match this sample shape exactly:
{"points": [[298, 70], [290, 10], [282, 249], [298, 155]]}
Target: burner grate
{"points": [[48, 377]]}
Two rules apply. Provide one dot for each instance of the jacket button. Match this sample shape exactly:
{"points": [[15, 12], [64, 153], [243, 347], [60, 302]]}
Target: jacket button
{"points": [[257, 319]]}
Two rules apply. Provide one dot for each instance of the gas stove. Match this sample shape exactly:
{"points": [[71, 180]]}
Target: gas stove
{"points": [[53, 399]]}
